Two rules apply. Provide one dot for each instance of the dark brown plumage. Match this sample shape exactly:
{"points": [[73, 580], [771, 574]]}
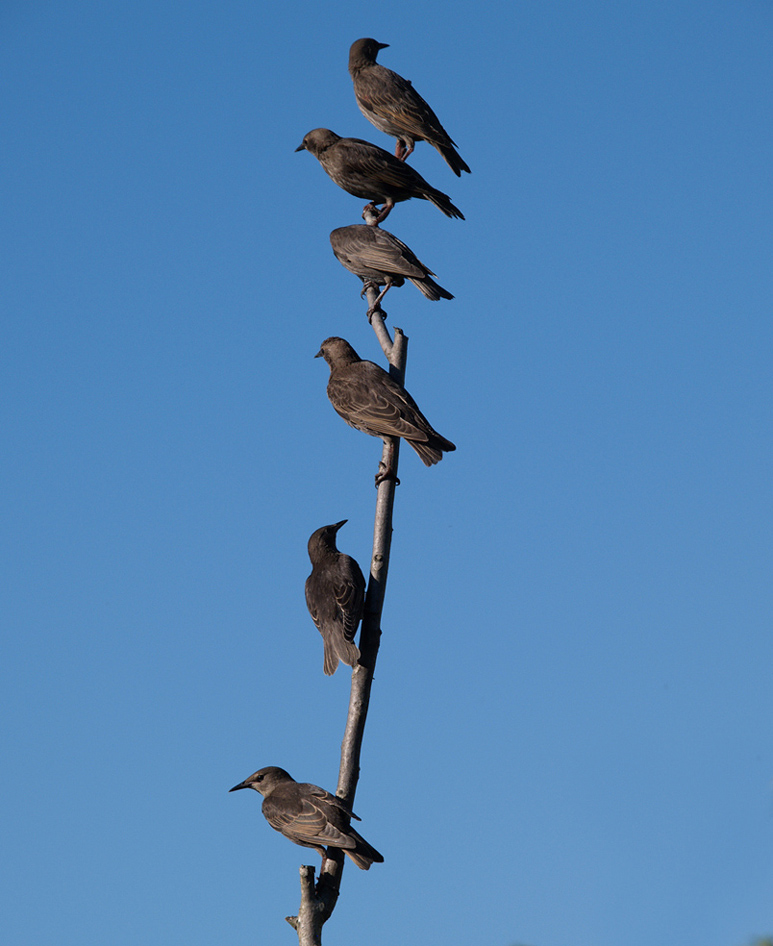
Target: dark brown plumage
{"points": [[393, 105], [309, 816], [369, 400], [379, 258], [367, 171], [335, 596]]}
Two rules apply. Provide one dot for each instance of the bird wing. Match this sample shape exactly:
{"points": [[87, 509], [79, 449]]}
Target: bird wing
{"points": [[394, 98], [380, 407], [384, 252], [375, 164], [311, 603], [350, 595], [311, 819]]}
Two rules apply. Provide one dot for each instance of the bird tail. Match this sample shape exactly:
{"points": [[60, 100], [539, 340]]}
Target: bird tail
{"points": [[443, 202], [452, 158], [338, 648], [364, 854], [431, 289], [431, 451], [347, 651], [331, 658]]}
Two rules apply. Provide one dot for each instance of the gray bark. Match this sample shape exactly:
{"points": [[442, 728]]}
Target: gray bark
{"points": [[318, 902]]}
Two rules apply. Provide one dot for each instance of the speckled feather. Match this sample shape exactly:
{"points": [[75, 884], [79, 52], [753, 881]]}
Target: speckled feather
{"points": [[367, 171], [391, 103], [335, 596], [375, 255], [370, 400]]}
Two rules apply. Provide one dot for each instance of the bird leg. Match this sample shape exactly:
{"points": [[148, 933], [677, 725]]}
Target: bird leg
{"points": [[376, 307], [403, 150], [384, 212]]}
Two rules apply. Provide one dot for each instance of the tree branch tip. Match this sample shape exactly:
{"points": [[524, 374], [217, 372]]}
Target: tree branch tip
{"points": [[293, 921]]}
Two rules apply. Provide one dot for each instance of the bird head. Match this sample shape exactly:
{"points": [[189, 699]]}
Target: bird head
{"points": [[325, 538], [337, 351], [264, 780], [318, 140], [364, 51]]}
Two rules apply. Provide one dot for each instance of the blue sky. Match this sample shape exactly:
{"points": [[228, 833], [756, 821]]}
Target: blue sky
{"points": [[569, 741]]}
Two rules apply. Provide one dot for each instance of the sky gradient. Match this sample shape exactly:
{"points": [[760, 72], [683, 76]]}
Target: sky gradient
{"points": [[569, 741]]}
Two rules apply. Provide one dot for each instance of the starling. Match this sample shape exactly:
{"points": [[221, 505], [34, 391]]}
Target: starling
{"points": [[370, 400], [368, 171], [309, 816], [335, 595], [393, 105], [379, 258]]}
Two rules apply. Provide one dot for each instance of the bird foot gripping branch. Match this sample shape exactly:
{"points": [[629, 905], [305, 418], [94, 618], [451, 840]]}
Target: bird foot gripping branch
{"points": [[369, 286], [385, 472], [373, 215], [370, 214]]}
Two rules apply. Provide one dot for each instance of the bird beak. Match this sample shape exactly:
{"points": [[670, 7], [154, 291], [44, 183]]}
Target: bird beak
{"points": [[301, 147], [237, 787], [319, 354], [382, 45], [338, 525]]}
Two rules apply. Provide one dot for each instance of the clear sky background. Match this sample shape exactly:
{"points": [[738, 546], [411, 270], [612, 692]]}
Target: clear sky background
{"points": [[569, 741]]}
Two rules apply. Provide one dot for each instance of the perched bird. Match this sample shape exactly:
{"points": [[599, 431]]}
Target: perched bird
{"points": [[393, 105], [335, 596], [309, 816], [380, 259], [368, 171], [371, 401]]}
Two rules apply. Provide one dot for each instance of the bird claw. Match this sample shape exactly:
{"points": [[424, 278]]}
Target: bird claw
{"points": [[373, 310], [402, 151], [368, 284], [385, 473], [370, 214]]}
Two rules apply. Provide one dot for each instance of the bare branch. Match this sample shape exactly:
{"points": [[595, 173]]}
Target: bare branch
{"points": [[362, 675], [317, 903]]}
